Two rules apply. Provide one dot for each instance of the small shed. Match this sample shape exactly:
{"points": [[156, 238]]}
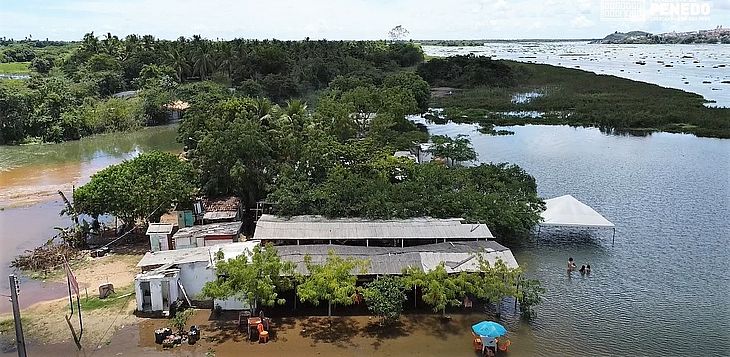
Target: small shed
{"points": [[194, 267], [177, 108], [207, 235], [407, 155], [156, 290], [160, 235], [222, 209]]}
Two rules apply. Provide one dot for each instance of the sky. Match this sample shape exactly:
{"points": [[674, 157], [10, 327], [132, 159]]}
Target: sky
{"points": [[356, 19]]}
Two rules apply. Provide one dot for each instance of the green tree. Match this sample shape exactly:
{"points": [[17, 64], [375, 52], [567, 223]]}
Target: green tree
{"points": [[398, 33], [334, 281], [138, 189], [494, 282], [456, 150], [412, 82], [254, 277], [529, 294], [180, 320], [438, 288], [385, 296]]}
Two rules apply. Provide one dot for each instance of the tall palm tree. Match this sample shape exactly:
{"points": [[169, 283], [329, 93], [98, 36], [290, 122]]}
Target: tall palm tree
{"points": [[296, 111], [204, 62], [179, 63]]}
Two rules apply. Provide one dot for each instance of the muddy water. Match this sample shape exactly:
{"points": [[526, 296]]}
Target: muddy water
{"points": [[30, 177], [422, 335]]}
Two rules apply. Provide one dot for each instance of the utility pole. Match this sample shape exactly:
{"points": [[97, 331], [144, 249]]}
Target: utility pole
{"points": [[19, 339]]}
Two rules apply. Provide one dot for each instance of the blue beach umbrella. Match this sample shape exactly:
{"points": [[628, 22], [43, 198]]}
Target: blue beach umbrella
{"points": [[489, 329]]}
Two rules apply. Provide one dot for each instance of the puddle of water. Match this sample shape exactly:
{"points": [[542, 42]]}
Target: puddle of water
{"points": [[523, 98]]}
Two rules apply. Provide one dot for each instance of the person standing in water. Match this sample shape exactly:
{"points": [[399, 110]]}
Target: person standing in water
{"points": [[582, 270], [571, 265], [588, 269]]}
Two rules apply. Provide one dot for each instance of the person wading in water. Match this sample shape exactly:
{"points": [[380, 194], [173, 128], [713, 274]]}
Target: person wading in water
{"points": [[571, 265]]}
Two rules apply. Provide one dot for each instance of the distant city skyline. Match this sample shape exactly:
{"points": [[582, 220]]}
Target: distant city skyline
{"points": [[356, 19]]}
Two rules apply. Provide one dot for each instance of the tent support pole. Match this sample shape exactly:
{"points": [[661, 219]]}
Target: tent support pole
{"points": [[613, 239]]}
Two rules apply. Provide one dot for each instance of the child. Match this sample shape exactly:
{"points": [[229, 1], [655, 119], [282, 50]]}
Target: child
{"points": [[571, 265], [582, 270], [588, 269]]}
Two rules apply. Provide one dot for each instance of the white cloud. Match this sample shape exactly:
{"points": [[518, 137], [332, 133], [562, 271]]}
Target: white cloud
{"points": [[343, 19], [581, 22]]}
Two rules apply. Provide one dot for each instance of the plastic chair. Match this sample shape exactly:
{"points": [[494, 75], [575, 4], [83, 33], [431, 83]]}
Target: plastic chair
{"points": [[263, 334], [504, 344], [477, 344]]}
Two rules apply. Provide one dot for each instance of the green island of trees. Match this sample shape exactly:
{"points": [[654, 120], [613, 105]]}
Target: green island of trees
{"points": [[485, 90]]}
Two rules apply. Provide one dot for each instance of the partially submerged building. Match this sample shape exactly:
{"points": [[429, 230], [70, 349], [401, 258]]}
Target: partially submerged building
{"points": [[390, 246], [456, 256], [356, 231], [172, 274]]}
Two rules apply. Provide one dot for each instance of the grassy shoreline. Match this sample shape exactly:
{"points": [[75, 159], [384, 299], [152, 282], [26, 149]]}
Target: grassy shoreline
{"points": [[14, 68], [566, 96]]}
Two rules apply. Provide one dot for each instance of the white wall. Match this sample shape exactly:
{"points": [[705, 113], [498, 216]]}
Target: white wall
{"points": [[193, 276], [231, 304]]}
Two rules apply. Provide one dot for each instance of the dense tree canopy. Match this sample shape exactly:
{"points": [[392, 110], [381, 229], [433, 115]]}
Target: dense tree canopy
{"points": [[466, 71], [385, 297], [142, 188], [97, 67]]}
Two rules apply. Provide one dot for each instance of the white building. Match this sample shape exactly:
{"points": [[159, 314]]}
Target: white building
{"points": [[181, 274]]}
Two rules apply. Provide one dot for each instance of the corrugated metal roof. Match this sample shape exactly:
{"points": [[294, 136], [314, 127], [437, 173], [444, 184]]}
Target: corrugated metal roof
{"points": [[270, 227], [159, 228], [213, 229], [457, 256], [216, 215], [221, 204], [193, 255]]}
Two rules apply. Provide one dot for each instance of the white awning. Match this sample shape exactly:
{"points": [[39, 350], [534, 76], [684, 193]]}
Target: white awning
{"points": [[568, 211]]}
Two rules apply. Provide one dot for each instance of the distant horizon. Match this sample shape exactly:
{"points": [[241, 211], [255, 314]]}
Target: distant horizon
{"points": [[69, 20], [571, 39]]}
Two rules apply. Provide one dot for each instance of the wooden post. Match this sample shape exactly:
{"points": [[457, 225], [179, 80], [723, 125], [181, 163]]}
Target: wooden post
{"points": [[19, 338]]}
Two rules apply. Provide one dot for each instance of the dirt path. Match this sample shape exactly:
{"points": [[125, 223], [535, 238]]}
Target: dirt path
{"points": [[45, 322]]}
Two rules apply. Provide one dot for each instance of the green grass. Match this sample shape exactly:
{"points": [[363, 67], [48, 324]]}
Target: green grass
{"points": [[14, 68], [592, 100], [8, 326], [116, 300]]}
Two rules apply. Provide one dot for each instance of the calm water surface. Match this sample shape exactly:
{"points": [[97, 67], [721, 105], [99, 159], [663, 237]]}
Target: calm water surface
{"points": [[30, 177], [662, 289]]}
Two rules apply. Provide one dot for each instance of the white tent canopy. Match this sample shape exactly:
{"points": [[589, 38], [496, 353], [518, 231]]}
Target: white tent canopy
{"points": [[568, 211]]}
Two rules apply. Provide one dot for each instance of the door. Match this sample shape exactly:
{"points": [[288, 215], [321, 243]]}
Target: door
{"points": [[165, 295]]}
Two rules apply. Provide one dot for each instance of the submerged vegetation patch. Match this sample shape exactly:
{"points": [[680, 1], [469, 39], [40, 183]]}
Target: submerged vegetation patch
{"points": [[570, 97]]}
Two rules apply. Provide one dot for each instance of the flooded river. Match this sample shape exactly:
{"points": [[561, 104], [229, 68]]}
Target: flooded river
{"points": [[662, 289], [31, 176]]}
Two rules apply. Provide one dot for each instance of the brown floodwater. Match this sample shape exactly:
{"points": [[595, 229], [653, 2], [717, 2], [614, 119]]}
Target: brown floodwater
{"points": [[421, 335], [31, 176]]}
